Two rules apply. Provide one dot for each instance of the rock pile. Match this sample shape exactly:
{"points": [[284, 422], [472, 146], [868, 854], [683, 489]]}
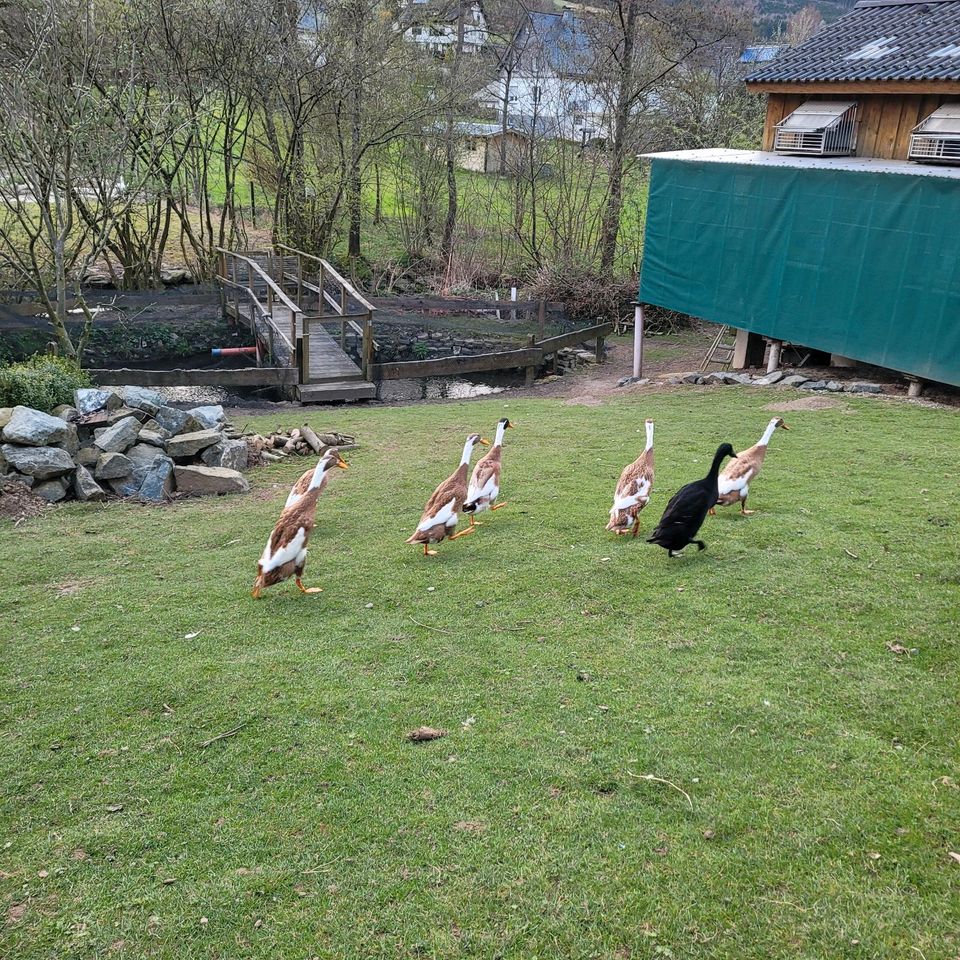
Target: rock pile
{"points": [[779, 378], [124, 442]]}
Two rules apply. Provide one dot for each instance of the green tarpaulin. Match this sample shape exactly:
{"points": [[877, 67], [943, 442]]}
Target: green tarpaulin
{"points": [[866, 265]]}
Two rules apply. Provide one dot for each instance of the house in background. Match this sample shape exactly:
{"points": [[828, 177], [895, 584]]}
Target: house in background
{"points": [[551, 75], [434, 25], [485, 148], [840, 235]]}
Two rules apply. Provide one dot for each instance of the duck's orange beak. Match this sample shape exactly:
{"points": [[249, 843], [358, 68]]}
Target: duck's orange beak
{"points": [[484, 441], [342, 464], [509, 425], [784, 426]]}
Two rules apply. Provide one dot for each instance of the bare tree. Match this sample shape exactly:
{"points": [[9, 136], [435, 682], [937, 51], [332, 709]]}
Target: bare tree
{"points": [[804, 24]]}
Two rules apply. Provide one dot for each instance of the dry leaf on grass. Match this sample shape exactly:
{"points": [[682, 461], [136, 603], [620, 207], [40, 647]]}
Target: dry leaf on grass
{"points": [[15, 912], [470, 826], [954, 856], [422, 734], [897, 648]]}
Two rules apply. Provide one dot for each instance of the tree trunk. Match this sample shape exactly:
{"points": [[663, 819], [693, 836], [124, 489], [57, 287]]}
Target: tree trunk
{"points": [[610, 226], [450, 224]]}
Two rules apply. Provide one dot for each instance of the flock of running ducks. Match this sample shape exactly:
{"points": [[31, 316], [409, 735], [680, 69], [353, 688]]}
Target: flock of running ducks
{"points": [[286, 551]]}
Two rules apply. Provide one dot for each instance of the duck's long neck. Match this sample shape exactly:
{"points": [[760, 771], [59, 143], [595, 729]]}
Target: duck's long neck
{"points": [[501, 430], [768, 433], [467, 453], [715, 466], [649, 445]]}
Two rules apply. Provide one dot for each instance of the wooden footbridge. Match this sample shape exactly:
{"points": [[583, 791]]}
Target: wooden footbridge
{"points": [[314, 334], [304, 316]]}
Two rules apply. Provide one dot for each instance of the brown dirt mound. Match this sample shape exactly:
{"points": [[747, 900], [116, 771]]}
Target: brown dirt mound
{"points": [[815, 402], [17, 502]]}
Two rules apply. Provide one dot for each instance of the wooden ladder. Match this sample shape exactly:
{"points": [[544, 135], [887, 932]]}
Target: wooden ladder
{"points": [[719, 351]]}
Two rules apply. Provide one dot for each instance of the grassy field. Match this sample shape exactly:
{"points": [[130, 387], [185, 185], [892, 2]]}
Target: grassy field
{"points": [[821, 766]]}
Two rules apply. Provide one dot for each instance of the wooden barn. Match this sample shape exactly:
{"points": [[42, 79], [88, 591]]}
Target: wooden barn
{"points": [[841, 234]]}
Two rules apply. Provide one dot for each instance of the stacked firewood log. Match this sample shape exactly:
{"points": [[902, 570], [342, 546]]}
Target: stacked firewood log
{"points": [[298, 442]]}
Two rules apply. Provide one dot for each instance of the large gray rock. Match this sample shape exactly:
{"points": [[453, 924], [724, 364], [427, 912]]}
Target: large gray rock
{"points": [[211, 416], [158, 483], [85, 487], [207, 480], [39, 462], [172, 420], [142, 399], [119, 437], [190, 444], [794, 380], [142, 457], [91, 399], [861, 387], [113, 466], [23, 478], [691, 377], [227, 453], [52, 490], [744, 379], [814, 385], [834, 386], [156, 438], [769, 379], [34, 428]]}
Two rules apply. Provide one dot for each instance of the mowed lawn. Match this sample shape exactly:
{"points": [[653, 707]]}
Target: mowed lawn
{"points": [[821, 766]]}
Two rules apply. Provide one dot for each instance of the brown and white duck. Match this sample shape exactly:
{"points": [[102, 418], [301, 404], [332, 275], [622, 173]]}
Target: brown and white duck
{"points": [[485, 482], [633, 490], [734, 482], [442, 511], [286, 551]]}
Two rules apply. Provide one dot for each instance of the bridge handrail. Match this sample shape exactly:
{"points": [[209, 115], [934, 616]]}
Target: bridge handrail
{"points": [[333, 272], [277, 291]]}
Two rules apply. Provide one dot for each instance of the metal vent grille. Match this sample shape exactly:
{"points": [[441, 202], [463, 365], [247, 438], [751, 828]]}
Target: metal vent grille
{"points": [[937, 139], [818, 128]]}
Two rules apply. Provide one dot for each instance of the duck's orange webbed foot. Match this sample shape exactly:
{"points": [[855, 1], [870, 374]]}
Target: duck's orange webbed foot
{"points": [[498, 506], [427, 552], [462, 533], [304, 589]]}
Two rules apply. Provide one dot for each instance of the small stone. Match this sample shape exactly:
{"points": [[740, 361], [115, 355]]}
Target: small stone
{"points": [[209, 480], [38, 462], [91, 399], [153, 438], [113, 466], [142, 399], [834, 386], [693, 378], [814, 385], [632, 381], [35, 428], [210, 416], [861, 387], [227, 453], [368, 606], [190, 444], [768, 380], [158, 483], [793, 380], [65, 412], [119, 437], [85, 487], [51, 490]]}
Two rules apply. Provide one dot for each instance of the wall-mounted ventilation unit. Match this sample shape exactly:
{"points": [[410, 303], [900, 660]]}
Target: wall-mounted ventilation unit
{"points": [[937, 139], [819, 128]]}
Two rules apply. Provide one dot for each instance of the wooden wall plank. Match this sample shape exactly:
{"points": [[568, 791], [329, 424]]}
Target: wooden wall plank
{"points": [[890, 112]]}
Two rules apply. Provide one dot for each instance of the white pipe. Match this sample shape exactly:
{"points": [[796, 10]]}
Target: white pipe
{"points": [[638, 340]]}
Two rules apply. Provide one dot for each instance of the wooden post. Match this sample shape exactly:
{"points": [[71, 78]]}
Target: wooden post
{"points": [[320, 282], [541, 318], [343, 335], [747, 350], [367, 346], [299, 280], [513, 299], [773, 363], [530, 377], [914, 387], [343, 299], [638, 340], [294, 333], [303, 356], [599, 349]]}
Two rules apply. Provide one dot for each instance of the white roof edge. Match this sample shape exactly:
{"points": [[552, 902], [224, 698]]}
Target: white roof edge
{"points": [[762, 158]]}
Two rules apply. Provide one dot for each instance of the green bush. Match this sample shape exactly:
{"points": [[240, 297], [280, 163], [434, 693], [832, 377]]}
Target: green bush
{"points": [[41, 382]]}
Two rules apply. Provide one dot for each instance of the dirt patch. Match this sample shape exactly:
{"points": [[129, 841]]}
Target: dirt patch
{"points": [[816, 402], [18, 503], [70, 588]]}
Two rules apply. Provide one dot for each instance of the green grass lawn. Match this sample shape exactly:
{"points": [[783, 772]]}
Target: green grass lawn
{"points": [[756, 676]]}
